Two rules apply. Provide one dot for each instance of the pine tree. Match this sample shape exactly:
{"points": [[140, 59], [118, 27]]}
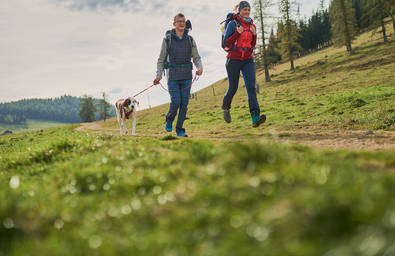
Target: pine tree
{"points": [[326, 28], [87, 109], [358, 6], [261, 7], [288, 35], [104, 107], [391, 12], [377, 10], [322, 5], [342, 17], [273, 55]]}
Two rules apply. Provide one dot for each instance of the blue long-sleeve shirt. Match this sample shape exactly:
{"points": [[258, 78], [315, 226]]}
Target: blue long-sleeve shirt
{"points": [[230, 30]]}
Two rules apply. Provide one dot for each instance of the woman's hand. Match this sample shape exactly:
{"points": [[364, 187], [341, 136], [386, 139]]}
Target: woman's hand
{"points": [[253, 30], [240, 29], [199, 72]]}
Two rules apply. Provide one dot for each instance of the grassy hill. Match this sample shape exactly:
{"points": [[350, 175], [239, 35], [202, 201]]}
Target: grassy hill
{"points": [[227, 190], [42, 113], [328, 91], [30, 125]]}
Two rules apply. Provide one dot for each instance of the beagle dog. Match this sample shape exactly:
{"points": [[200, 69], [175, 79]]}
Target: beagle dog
{"points": [[126, 108]]}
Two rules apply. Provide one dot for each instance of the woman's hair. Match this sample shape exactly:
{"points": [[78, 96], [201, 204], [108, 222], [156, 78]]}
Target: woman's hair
{"points": [[180, 15]]}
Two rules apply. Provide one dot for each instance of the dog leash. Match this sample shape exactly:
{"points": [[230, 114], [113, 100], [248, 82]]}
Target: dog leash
{"points": [[144, 90], [195, 79]]}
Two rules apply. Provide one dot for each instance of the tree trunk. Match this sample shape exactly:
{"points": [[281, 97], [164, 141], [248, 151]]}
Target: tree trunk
{"points": [[382, 17], [392, 15], [393, 22], [288, 23], [267, 76], [347, 32], [349, 49], [383, 30]]}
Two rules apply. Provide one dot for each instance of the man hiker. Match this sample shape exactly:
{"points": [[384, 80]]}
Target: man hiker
{"points": [[177, 50]]}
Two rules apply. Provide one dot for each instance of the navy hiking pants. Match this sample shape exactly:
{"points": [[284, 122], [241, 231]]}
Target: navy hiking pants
{"points": [[179, 96], [247, 67]]}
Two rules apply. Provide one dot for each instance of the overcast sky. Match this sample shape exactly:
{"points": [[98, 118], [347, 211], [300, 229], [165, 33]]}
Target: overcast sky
{"points": [[49, 48]]}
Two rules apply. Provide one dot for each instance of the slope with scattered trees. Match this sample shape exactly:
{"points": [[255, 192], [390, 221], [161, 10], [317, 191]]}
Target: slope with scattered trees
{"points": [[63, 109]]}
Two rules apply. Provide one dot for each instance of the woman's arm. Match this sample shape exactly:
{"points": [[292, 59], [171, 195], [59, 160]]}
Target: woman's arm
{"points": [[231, 35]]}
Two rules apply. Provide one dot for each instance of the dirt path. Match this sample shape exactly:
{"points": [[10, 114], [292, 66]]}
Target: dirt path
{"points": [[355, 140]]}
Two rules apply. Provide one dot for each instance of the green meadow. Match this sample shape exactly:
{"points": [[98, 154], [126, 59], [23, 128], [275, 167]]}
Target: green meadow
{"points": [[229, 189], [29, 126], [330, 93]]}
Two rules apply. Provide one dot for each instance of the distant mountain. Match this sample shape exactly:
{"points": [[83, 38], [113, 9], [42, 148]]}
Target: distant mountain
{"points": [[64, 109]]}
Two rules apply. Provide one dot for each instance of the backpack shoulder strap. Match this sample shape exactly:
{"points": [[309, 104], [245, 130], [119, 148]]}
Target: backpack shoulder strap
{"points": [[238, 23], [168, 41]]}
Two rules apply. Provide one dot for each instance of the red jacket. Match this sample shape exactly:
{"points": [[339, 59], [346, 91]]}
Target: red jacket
{"points": [[244, 43]]}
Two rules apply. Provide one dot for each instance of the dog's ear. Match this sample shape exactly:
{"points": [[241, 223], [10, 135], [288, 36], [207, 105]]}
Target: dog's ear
{"points": [[127, 102]]}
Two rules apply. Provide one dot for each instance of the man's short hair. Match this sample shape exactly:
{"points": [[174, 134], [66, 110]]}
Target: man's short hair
{"points": [[180, 15]]}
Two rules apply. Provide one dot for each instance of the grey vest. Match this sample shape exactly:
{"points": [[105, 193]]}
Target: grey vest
{"points": [[180, 66]]}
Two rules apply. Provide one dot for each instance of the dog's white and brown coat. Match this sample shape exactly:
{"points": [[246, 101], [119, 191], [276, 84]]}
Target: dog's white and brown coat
{"points": [[126, 108]]}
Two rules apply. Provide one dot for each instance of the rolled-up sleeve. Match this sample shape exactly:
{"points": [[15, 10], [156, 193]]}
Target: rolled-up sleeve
{"points": [[161, 60], [197, 60]]}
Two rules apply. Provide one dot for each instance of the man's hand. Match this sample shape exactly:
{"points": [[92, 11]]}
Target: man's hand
{"points": [[199, 72], [253, 30], [157, 80], [240, 29]]}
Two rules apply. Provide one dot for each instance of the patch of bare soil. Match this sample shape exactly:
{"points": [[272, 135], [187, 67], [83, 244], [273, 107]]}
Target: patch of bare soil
{"points": [[355, 140]]}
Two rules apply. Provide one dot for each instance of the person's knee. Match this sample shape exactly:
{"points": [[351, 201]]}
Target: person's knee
{"points": [[176, 102], [251, 88], [184, 102], [250, 84], [232, 91]]}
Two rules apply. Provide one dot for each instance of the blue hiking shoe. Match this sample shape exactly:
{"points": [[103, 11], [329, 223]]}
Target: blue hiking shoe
{"points": [[257, 120], [169, 127], [182, 134], [227, 117]]}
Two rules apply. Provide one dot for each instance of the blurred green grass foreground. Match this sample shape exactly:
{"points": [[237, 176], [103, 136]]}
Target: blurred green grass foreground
{"points": [[65, 192]]}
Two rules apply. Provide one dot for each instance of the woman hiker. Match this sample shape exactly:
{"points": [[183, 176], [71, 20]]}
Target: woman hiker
{"points": [[240, 37], [177, 50]]}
